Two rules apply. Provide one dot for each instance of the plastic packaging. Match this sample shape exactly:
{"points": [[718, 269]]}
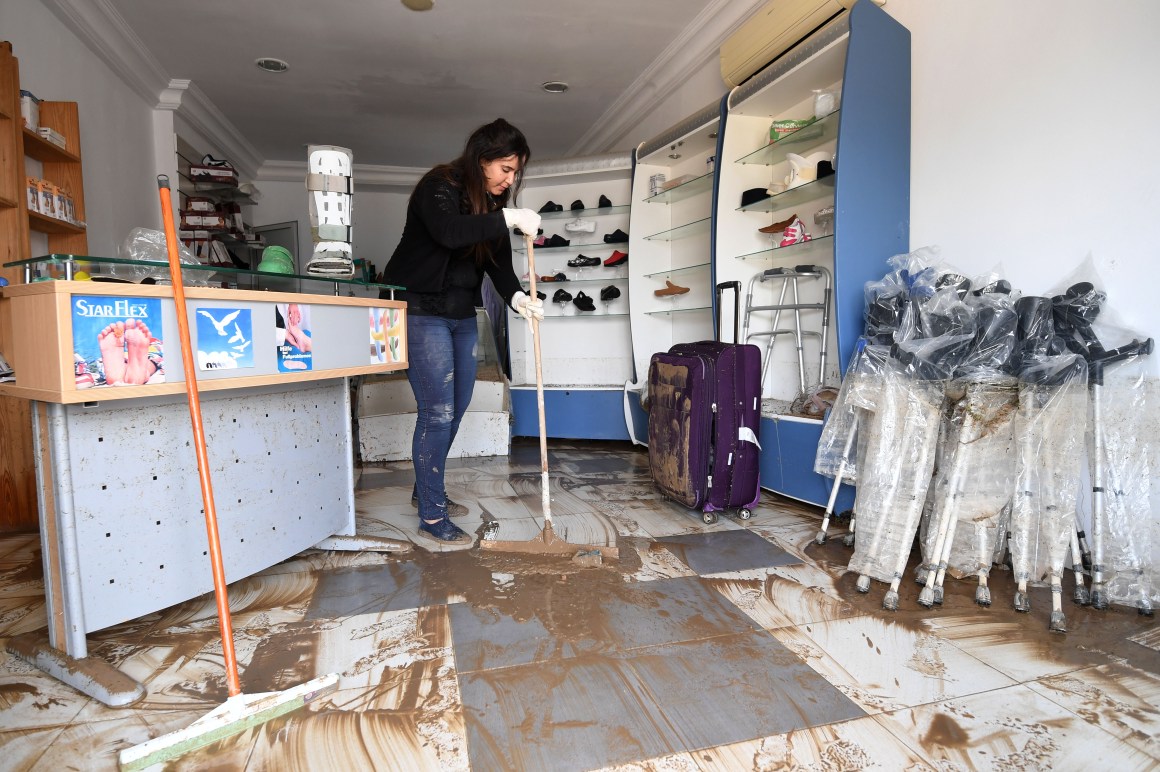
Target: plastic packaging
{"points": [[149, 244]]}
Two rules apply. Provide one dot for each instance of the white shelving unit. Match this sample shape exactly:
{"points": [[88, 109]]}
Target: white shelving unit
{"points": [[671, 241], [586, 355]]}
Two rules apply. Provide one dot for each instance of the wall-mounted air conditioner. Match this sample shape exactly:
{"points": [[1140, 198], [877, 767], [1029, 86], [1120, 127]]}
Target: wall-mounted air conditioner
{"points": [[777, 26]]}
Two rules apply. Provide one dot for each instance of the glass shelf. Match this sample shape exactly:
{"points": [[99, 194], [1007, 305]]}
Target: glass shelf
{"points": [[683, 191], [790, 198], [793, 251], [578, 315], [675, 271], [574, 213], [821, 130], [671, 311], [573, 247], [682, 232], [540, 285], [69, 263]]}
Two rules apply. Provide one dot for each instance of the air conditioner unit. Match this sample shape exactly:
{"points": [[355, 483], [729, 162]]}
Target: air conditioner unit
{"points": [[777, 26]]}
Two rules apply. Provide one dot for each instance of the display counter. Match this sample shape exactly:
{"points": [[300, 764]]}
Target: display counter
{"points": [[121, 519]]}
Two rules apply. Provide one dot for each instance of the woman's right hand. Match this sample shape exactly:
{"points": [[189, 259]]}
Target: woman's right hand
{"points": [[526, 220]]}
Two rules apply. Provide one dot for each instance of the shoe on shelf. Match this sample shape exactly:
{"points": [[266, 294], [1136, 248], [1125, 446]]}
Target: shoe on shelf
{"points": [[541, 241], [443, 532], [580, 226], [778, 227], [519, 232], [795, 233], [541, 295], [604, 202], [554, 277], [551, 206], [453, 509], [670, 289], [562, 296], [577, 205], [556, 241], [611, 292], [616, 237], [580, 261], [616, 258], [583, 302]]}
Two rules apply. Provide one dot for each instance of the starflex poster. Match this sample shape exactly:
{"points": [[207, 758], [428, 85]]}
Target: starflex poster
{"points": [[225, 338], [293, 338], [117, 341], [386, 335]]}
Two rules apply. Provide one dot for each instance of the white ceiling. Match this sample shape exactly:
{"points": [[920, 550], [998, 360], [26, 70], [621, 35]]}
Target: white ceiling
{"points": [[403, 88]]}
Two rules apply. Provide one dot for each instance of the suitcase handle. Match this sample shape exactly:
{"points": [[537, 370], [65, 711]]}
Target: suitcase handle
{"points": [[736, 287]]}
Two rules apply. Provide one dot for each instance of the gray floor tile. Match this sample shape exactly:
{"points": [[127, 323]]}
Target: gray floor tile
{"points": [[595, 710], [371, 589], [720, 551], [622, 617]]}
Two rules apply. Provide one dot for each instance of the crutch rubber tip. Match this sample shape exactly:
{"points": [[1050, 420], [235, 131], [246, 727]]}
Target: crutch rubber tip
{"points": [[890, 601], [1022, 602], [848, 540], [1144, 609], [863, 584], [938, 595], [920, 574], [926, 597], [821, 537], [983, 596], [1058, 623], [1081, 596], [1099, 599]]}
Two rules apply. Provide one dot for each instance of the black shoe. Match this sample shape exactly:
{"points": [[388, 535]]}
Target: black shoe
{"points": [[519, 232], [611, 292], [583, 302], [541, 295], [577, 204], [616, 237], [551, 207], [562, 296], [443, 531], [604, 203], [580, 261], [556, 241]]}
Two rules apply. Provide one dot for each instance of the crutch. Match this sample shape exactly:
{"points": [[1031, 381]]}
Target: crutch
{"points": [[848, 446]]}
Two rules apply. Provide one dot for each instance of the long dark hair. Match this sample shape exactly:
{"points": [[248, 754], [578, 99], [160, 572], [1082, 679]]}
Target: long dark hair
{"points": [[498, 139]]}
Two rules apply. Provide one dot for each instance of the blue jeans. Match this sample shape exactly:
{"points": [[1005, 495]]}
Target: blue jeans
{"points": [[442, 375]]}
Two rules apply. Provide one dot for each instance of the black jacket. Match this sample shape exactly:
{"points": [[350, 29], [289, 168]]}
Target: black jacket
{"points": [[434, 260]]}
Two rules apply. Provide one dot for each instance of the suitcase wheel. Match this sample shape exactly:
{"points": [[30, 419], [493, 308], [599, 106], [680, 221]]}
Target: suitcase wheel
{"points": [[709, 517], [744, 514]]}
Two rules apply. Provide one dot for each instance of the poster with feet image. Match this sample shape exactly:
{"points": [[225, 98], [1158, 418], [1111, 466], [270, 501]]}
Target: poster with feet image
{"points": [[224, 338], [117, 341], [292, 336], [386, 335]]}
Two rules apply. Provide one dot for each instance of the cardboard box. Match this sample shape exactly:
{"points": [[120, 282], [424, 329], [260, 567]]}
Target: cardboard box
{"points": [[52, 136], [33, 187], [29, 110]]}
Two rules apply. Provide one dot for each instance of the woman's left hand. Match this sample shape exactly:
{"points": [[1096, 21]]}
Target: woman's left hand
{"points": [[528, 307]]}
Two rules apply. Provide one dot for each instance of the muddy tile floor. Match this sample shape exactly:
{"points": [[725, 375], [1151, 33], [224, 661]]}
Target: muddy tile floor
{"points": [[740, 645]]}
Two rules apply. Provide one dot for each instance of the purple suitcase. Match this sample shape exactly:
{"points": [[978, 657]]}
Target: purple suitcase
{"points": [[704, 417]]}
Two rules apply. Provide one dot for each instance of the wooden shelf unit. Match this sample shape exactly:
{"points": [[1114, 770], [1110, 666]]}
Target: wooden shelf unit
{"points": [[61, 166]]}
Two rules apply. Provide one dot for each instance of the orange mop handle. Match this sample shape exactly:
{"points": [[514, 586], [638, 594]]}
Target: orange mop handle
{"points": [[211, 524]]}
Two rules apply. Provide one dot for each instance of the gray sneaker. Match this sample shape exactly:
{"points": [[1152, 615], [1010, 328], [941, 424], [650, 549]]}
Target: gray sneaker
{"points": [[453, 509]]}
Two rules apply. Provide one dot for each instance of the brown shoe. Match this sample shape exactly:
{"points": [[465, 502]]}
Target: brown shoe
{"points": [[778, 227], [670, 289]]}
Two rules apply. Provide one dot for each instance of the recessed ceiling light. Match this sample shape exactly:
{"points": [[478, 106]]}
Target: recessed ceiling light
{"points": [[270, 64], [554, 86], [419, 5]]}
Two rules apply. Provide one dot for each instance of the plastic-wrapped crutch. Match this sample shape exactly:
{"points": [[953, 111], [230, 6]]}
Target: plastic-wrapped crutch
{"points": [[1119, 454], [841, 443], [901, 446], [976, 475], [1049, 435]]}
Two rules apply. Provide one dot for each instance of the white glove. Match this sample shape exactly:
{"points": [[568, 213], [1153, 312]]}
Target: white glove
{"points": [[525, 306], [524, 219]]}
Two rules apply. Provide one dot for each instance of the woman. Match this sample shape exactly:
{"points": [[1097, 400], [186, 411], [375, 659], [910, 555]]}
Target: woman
{"points": [[456, 231]]}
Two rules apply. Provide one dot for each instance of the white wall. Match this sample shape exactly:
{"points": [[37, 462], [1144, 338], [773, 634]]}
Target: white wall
{"points": [[116, 124]]}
